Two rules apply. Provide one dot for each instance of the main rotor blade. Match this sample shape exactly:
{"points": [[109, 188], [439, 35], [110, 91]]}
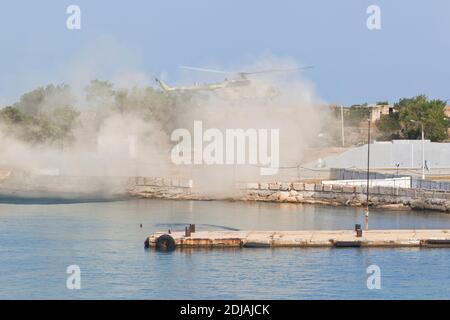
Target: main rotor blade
{"points": [[244, 73], [207, 70], [276, 70]]}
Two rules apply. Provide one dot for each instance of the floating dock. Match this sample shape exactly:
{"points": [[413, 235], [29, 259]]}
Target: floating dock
{"points": [[313, 238]]}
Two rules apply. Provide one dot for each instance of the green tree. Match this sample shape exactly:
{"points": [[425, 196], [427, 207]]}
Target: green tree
{"points": [[11, 115], [419, 110], [44, 99], [389, 126], [410, 114], [44, 115], [99, 91]]}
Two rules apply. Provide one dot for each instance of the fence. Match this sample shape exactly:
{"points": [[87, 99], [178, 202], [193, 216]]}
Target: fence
{"points": [[429, 185], [346, 174], [416, 183]]}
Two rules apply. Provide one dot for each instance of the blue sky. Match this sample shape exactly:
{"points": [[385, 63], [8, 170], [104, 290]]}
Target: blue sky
{"points": [[408, 56]]}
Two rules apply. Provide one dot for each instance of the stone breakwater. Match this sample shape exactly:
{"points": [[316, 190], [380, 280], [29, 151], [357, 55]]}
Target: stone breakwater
{"points": [[298, 192]]}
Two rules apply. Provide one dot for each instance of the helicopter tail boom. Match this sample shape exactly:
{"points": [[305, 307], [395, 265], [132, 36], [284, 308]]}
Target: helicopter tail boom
{"points": [[164, 85]]}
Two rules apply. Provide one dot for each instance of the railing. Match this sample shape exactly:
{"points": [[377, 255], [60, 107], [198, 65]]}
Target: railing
{"points": [[416, 183]]}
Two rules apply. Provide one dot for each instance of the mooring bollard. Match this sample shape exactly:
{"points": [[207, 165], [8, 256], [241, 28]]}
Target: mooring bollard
{"points": [[192, 228], [187, 232], [358, 230]]}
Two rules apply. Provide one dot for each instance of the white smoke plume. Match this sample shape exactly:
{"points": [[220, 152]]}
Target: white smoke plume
{"points": [[110, 139]]}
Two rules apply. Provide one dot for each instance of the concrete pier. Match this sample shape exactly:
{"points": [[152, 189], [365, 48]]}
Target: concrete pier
{"points": [[312, 238]]}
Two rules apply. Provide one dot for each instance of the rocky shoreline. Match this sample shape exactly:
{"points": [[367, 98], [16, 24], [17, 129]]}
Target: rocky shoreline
{"points": [[298, 192]]}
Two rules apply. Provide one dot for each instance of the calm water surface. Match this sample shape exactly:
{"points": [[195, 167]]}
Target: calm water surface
{"points": [[38, 242]]}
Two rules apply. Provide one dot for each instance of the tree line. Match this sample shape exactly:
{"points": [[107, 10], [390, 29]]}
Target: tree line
{"points": [[50, 114]]}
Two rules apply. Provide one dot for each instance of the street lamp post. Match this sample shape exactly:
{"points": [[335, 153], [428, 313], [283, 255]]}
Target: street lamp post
{"points": [[342, 126], [423, 152], [423, 148], [368, 178]]}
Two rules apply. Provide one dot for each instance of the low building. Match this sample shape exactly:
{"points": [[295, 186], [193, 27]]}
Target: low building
{"points": [[378, 110], [447, 111]]}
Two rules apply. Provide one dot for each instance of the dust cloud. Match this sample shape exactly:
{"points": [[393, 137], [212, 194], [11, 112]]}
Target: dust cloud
{"points": [[110, 130]]}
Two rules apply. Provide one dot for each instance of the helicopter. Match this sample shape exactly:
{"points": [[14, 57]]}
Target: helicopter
{"points": [[239, 79]]}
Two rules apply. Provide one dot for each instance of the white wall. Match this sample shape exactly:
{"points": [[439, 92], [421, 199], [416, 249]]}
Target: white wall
{"points": [[403, 182]]}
